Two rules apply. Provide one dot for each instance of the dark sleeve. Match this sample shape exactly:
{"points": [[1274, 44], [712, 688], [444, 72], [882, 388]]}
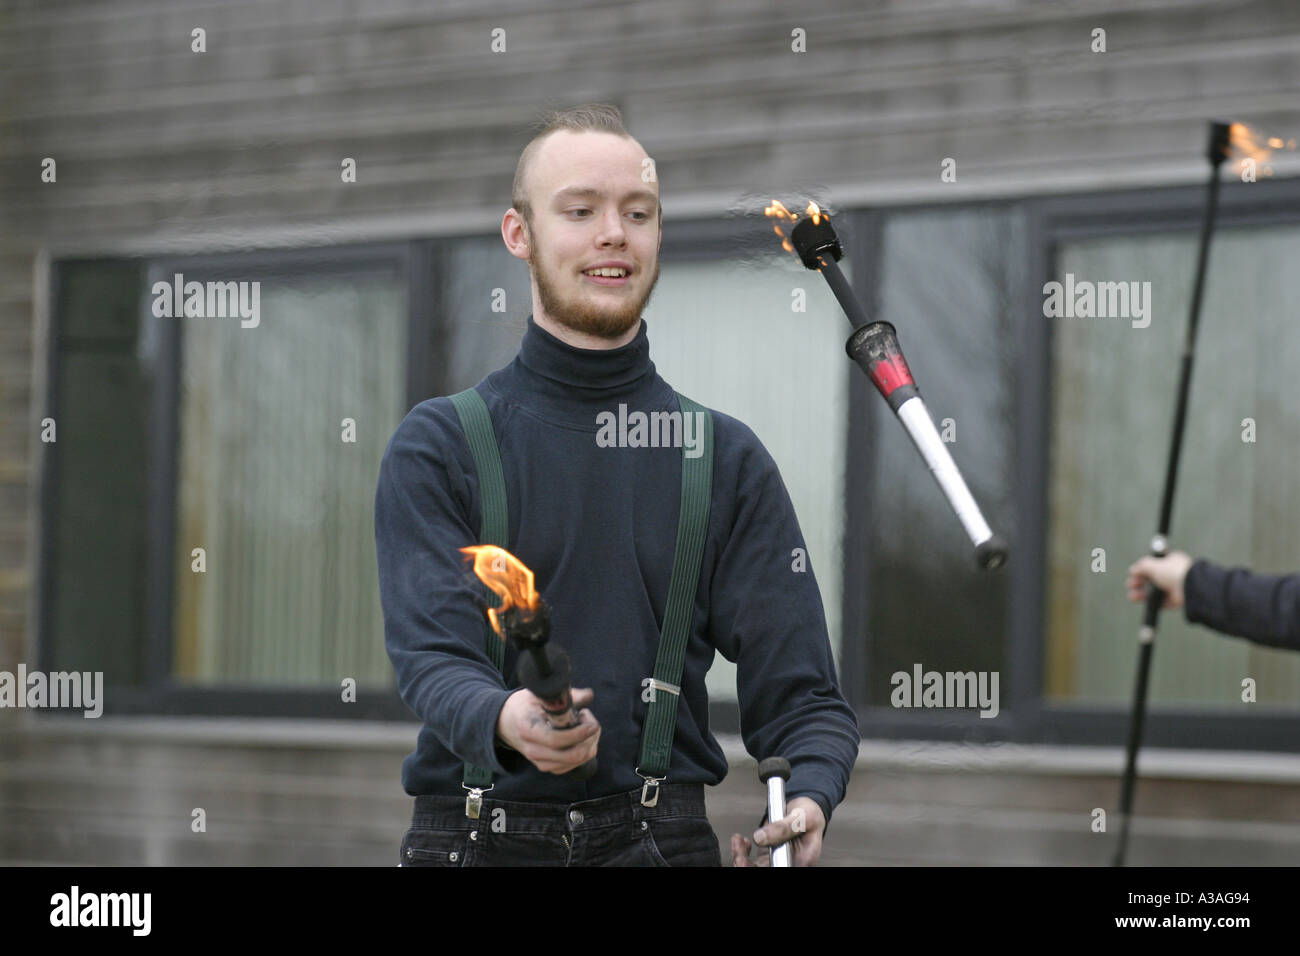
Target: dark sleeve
{"points": [[433, 626], [1260, 607], [768, 618]]}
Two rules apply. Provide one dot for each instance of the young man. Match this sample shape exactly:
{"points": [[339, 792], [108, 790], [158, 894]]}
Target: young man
{"points": [[598, 526]]}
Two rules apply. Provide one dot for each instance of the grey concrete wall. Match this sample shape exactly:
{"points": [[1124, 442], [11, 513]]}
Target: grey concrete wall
{"points": [[285, 794]]}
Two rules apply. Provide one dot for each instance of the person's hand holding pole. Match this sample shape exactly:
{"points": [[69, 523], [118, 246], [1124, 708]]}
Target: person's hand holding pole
{"points": [[802, 827], [1167, 574]]}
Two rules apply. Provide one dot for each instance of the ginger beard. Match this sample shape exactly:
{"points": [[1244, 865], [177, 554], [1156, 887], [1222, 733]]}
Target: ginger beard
{"points": [[603, 311]]}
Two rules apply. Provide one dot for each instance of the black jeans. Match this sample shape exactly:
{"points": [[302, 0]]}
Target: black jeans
{"points": [[609, 831]]}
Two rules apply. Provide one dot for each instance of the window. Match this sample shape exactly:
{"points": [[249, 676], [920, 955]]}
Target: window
{"points": [[1238, 492], [260, 446], [94, 549], [949, 281], [175, 434], [1108, 412], [1062, 429], [281, 431], [725, 333]]}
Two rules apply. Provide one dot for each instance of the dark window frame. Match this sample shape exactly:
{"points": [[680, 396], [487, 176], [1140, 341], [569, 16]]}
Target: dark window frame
{"points": [[1050, 220], [411, 261], [1025, 716]]}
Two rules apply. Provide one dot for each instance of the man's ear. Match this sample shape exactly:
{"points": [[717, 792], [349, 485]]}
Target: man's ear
{"points": [[515, 235]]}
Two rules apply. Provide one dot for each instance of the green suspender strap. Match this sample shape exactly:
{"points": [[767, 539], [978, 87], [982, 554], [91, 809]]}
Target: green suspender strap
{"points": [[494, 529], [662, 690]]}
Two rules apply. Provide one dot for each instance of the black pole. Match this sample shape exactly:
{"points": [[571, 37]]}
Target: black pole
{"points": [[1217, 152], [843, 292]]}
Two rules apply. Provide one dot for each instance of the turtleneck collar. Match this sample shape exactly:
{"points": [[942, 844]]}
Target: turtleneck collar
{"points": [[564, 383], [553, 358]]}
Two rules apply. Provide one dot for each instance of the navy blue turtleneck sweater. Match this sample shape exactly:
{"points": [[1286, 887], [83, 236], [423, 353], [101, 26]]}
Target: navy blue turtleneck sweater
{"points": [[598, 525]]}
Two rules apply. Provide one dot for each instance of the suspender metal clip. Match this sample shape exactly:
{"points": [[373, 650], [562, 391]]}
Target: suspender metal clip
{"points": [[650, 790], [474, 799], [651, 684]]}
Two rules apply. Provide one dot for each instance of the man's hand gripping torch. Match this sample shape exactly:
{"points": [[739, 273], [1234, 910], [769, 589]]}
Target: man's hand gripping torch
{"points": [[524, 620]]}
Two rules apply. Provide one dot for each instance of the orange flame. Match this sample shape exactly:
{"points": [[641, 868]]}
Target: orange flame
{"points": [[1248, 143], [785, 215], [507, 577]]}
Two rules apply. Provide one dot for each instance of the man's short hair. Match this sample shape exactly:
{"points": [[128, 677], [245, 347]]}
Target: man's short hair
{"points": [[591, 117]]}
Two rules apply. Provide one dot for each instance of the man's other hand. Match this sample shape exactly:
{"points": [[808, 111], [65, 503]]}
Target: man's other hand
{"points": [[522, 724], [802, 827], [1167, 573]]}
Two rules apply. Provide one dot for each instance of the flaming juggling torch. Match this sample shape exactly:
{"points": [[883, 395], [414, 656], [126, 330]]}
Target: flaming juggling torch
{"points": [[1223, 137], [523, 619], [874, 346]]}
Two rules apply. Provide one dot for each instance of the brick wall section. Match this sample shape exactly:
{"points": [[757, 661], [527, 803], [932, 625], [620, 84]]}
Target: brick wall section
{"points": [[157, 142], [16, 343]]}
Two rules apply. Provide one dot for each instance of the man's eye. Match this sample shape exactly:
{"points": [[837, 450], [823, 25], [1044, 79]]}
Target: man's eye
{"points": [[644, 216]]}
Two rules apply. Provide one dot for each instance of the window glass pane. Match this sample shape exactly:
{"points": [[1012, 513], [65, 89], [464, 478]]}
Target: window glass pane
{"points": [[280, 502], [97, 543], [724, 334], [1236, 501], [481, 276], [950, 284]]}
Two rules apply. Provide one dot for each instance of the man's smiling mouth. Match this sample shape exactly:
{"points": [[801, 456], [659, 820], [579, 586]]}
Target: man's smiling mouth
{"points": [[607, 276]]}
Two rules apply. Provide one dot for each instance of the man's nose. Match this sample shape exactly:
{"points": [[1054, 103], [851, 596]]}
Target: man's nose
{"points": [[612, 228]]}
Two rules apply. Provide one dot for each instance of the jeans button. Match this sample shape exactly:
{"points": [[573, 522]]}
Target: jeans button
{"points": [[473, 834], [453, 856], [575, 817]]}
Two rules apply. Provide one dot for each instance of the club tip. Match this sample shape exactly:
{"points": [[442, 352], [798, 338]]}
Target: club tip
{"points": [[991, 553], [774, 767]]}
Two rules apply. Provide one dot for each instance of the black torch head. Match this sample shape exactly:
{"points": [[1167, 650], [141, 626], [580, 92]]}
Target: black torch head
{"points": [[811, 240], [527, 629], [1220, 141]]}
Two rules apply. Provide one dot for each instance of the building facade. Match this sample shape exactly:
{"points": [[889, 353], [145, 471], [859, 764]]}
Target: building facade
{"points": [[185, 500]]}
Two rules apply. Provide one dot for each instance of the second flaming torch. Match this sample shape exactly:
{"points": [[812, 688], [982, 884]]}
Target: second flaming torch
{"points": [[874, 346]]}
